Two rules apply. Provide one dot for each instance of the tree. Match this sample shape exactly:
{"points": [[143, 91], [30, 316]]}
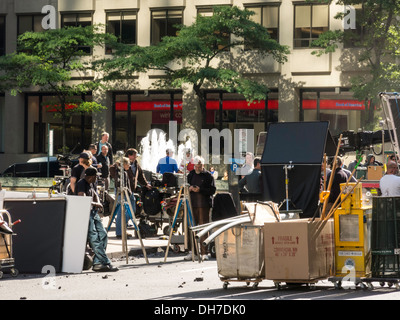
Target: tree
{"points": [[377, 39], [200, 55], [56, 60]]}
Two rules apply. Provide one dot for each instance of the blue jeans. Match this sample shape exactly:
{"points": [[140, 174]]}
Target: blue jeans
{"points": [[128, 213], [97, 238]]}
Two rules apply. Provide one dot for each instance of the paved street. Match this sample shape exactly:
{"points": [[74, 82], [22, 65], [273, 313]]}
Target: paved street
{"points": [[174, 280]]}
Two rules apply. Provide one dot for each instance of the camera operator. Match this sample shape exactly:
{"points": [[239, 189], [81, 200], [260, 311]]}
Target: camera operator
{"points": [[97, 235], [77, 172], [115, 172], [136, 174], [104, 160]]}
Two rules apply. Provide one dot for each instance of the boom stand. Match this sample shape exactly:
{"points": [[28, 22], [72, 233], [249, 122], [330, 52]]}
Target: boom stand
{"points": [[126, 205], [187, 219], [287, 200]]}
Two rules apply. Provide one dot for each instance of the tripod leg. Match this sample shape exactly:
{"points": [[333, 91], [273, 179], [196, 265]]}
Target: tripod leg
{"points": [[123, 227], [112, 216], [178, 205], [192, 223], [136, 226], [189, 205]]}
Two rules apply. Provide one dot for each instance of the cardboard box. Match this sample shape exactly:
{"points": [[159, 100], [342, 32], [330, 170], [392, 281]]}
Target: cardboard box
{"points": [[375, 173], [299, 249]]}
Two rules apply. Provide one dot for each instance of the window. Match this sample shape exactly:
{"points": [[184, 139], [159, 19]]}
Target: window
{"points": [[164, 23], [39, 115], [268, 17], [309, 22], [76, 20], [2, 35], [30, 23], [225, 36], [342, 110], [122, 24]]}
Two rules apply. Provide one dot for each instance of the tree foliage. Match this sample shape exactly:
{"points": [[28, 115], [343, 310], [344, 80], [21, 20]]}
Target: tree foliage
{"points": [[56, 61], [377, 41], [200, 55]]}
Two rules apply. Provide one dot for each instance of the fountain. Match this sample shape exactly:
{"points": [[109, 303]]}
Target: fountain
{"points": [[153, 146]]}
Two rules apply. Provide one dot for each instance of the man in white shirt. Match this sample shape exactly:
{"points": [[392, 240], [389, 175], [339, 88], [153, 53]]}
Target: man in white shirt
{"points": [[390, 182]]}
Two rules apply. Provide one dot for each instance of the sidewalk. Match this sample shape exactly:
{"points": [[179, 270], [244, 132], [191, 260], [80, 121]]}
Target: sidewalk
{"points": [[114, 246]]}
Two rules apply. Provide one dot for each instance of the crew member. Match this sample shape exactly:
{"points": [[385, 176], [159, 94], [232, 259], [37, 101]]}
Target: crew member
{"points": [[167, 164], [339, 176], [136, 174], [104, 141], [78, 171], [202, 187], [93, 153], [97, 235], [115, 172], [104, 160], [371, 161], [390, 182], [252, 183]]}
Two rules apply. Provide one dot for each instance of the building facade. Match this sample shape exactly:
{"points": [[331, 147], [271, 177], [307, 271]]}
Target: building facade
{"points": [[306, 88]]}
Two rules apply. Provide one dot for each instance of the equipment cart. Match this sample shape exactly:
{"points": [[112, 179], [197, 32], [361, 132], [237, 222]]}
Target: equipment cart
{"points": [[294, 283], [239, 253], [7, 264], [385, 242]]}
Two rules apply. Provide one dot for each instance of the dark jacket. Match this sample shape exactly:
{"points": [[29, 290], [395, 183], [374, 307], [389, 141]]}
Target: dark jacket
{"points": [[339, 177], [207, 187], [105, 165], [138, 177], [132, 179], [115, 173], [110, 151]]}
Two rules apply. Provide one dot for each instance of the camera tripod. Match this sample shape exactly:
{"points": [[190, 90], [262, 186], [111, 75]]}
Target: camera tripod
{"points": [[122, 199], [188, 220], [287, 200]]}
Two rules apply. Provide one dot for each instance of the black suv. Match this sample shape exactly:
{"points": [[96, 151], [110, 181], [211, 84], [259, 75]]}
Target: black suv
{"points": [[39, 169]]}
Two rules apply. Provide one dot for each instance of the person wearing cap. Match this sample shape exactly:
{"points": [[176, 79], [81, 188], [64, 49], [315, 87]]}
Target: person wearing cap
{"points": [[97, 235], [77, 172], [167, 164]]}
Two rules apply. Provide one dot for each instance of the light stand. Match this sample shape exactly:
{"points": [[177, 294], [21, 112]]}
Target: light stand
{"points": [[184, 198], [125, 203], [287, 200]]}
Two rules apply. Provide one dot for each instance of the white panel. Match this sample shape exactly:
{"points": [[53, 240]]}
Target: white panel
{"points": [[75, 233]]}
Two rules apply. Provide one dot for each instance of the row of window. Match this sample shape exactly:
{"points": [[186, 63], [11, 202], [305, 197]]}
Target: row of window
{"points": [[310, 20]]}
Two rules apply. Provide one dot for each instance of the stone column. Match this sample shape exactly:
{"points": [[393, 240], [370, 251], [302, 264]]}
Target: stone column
{"points": [[191, 116], [102, 121], [288, 101]]}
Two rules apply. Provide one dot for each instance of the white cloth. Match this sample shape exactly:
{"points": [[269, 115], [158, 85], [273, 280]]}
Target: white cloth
{"points": [[390, 185]]}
